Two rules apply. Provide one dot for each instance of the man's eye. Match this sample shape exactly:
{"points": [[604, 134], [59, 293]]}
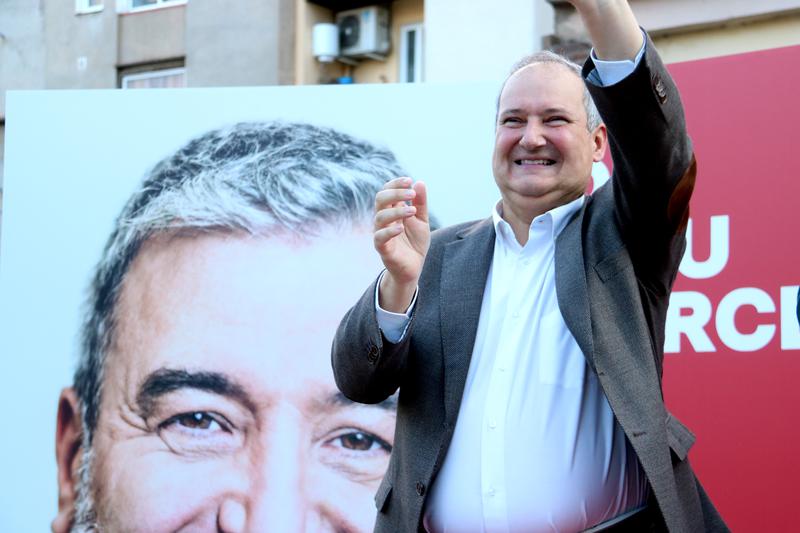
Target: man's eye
{"points": [[200, 432], [552, 120], [359, 455], [362, 442], [197, 420], [511, 121]]}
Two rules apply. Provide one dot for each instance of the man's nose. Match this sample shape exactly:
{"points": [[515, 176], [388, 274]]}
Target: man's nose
{"points": [[275, 501], [278, 498], [532, 136], [232, 516]]}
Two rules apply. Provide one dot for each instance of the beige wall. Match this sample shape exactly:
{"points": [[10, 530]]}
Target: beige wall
{"points": [[691, 29], [734, 38], [81, 49], [287, 12], [240, 44], [22, 50], [152, 35], [694, 29], [663, 15]]}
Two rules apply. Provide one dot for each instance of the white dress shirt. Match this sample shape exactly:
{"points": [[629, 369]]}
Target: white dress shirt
{"points": [[536, 446]]}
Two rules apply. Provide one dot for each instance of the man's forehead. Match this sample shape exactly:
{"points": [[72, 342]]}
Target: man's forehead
{"points": [[242, 300], [178, 270], [536, 75], [197, 251], [546, 66]]}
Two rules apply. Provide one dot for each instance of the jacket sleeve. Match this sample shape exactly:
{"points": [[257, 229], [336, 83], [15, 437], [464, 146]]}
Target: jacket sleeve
{"points": [[654, 167], [367, 368]]}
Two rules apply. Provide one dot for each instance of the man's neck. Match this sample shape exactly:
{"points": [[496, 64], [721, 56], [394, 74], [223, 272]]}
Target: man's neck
{"points": [[520, 217], [520, 222]]}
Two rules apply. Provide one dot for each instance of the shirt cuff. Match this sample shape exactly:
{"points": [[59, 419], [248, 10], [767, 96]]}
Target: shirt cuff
{"points": [[607, 73], [393, 325]]}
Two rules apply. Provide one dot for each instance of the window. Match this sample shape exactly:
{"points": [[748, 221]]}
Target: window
{"points": [[411, 53], [88, 6], [168, 78], [141, 5]]}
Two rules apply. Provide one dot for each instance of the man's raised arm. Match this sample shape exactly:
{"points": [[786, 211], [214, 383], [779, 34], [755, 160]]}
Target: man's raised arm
{"points": [[654, 168], [612, 27]]}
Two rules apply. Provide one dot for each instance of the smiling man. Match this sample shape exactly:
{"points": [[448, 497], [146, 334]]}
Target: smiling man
{"points": [[528, 347], [203, 400]]}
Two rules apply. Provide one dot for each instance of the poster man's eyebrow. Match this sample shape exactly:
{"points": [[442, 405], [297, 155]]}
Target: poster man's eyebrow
{"points": [[166, 380], [340, 400]]}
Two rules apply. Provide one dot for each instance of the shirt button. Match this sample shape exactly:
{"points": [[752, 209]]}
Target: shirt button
{"points": [[515, 314], [490, 492], [492, 424], [420, 488]]}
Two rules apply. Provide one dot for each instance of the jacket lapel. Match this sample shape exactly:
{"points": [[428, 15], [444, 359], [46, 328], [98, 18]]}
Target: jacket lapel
{"points": [[573, 296], [464, 271]]}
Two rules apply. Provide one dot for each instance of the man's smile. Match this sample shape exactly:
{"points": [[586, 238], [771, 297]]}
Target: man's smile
{"points": [[534, 162]]}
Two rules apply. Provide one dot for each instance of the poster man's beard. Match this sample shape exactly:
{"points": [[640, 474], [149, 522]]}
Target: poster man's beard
{"points": [[85, 514]]}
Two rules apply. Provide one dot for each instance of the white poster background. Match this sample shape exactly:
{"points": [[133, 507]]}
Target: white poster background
{"points": [[74, 157]]}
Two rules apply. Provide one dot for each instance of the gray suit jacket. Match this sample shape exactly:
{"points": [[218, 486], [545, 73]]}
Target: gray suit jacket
{"points": [[615, 263]]}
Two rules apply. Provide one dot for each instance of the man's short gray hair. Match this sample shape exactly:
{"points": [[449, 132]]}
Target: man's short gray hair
{"points": [[262, 179], [546, 56]]}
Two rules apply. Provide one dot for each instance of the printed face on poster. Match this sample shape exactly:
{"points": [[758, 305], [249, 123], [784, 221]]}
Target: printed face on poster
{"points": [[206, 290]]}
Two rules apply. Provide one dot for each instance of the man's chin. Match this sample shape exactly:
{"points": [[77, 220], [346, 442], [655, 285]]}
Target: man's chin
{"points": [[532, 188], [536, 178]]}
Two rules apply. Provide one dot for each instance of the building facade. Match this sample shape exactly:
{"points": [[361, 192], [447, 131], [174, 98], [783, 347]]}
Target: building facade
{"points": [[94, 44]]}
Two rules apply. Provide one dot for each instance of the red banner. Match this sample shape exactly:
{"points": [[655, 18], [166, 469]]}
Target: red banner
{"points": [[733, 340]]}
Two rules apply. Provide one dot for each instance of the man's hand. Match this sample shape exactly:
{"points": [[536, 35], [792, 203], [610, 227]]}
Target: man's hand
{"points": [[612, 27], [402, 236]]}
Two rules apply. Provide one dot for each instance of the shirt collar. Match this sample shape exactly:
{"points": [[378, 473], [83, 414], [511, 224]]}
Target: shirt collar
{"points": [[558, 217]]}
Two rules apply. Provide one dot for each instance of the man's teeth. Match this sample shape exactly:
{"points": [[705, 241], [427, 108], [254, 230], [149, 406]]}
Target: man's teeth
{"points": [[544, 162]]}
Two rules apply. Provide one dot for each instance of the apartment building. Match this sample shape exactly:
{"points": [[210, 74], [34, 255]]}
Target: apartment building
{"points": [[92, 44]]}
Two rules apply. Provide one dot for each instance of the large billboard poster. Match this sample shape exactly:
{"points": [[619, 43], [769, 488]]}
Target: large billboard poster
{"points": [[244, 330], [247, 322]]}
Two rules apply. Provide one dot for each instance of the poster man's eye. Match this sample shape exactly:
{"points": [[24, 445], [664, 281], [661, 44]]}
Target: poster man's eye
{"points": [[200, 432], [361, 441], [197, 420], [359, 455]]}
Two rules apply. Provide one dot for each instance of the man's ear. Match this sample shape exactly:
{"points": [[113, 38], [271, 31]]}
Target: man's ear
{"points": [[599, 142], [68, 458]]}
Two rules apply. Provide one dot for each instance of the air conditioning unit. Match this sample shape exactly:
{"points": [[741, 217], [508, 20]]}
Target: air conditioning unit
{"points": [[364, 32]]}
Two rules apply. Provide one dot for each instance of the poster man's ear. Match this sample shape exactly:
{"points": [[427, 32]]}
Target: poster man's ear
{"points": [[68, 457]]}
